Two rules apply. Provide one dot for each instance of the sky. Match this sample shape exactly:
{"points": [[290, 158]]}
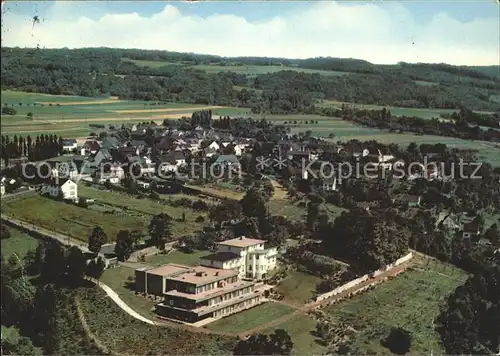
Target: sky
{"points": [[431, 31]]}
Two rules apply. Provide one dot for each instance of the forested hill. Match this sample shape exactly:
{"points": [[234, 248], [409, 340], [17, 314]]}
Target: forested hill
{"points": [[274, 85]]}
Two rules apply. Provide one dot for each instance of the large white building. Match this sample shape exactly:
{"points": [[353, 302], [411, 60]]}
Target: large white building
{"points": [[246, 256]]}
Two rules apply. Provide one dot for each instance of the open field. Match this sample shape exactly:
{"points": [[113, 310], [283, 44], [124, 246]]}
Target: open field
{"points": [[251, 318], [298, 287], [178, 257], [70, 219], [249, 70], [397, 111], [410, 301], [19, 243], [122, 280]]}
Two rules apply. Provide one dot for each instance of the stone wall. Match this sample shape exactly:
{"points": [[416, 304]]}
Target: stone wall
{"points": [[364, 278]]}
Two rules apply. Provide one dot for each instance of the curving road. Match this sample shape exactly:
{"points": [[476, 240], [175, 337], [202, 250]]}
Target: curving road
{"points": [[116, 298]]}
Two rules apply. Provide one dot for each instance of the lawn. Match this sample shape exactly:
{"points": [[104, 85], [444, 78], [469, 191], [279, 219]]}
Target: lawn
{"points": [[176, 256], [70, 219], [299, 327], [410, 301], [131, 204], [287, 208], [122, 280], [251, 318], [298, 287], [19, 243]]}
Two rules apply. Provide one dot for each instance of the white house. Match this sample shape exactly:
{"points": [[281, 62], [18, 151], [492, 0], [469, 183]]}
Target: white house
{"points": [[329, 185], [214, 146], [245, 255], [68, 188], [240, 148], [2, 188], [69, 145]]}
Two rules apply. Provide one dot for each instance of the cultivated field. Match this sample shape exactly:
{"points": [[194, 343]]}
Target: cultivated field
{"points": [[70, 116], [113, 211]]}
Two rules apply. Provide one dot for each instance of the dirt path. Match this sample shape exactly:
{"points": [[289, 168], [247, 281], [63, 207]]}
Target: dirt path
{"points": [[280, 193], [89, 333]]}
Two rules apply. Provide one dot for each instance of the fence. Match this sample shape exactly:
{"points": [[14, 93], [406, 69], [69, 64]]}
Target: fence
{"points": [[363, 278]]}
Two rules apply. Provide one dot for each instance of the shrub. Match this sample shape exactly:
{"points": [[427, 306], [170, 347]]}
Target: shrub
{"points": [[200, 219]]}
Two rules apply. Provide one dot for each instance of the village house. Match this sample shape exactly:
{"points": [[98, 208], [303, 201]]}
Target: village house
{"points": [[69, 145], [329, 185], [471, 230], [90, 147], [66, 187], [192, 294]]}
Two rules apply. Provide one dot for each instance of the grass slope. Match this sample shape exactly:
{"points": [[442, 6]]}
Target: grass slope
{"points": [[19, 243], [126, 335], [251, 318]]}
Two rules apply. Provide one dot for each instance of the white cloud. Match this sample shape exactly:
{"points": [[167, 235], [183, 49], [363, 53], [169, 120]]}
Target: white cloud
{"points": [[368, 31]]}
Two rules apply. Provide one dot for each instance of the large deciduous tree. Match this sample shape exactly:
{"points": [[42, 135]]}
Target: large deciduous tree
{"points": [[224, 212], [97, 238], [398, 341], [369, 240], [124, 245], [469, 321], [253, 204], [160, 230], [277, 343]]}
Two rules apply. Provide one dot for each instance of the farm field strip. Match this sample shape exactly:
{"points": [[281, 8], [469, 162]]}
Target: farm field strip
{"points": [[166, 109]]}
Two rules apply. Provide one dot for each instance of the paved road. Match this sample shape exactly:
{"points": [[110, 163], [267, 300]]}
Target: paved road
{"points": [[116, 298]]}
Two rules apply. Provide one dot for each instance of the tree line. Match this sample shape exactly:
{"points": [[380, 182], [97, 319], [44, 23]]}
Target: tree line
{"points": [[463, 124], [42, 147], [99, 72]]}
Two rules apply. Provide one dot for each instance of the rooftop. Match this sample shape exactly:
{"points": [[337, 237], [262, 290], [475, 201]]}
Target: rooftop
{"points": [[241, 241], [221, 256], [169, 269], [201, 275]]}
